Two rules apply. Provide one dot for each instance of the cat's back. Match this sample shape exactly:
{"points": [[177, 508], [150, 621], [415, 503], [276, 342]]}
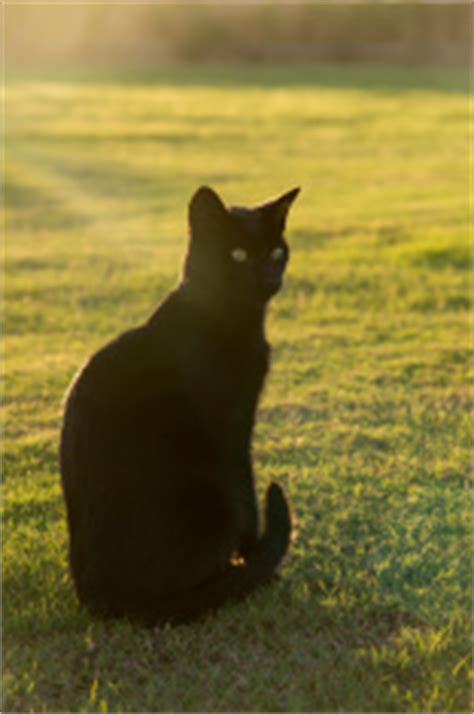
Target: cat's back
{"points": [[119, 403], [131, 364]]}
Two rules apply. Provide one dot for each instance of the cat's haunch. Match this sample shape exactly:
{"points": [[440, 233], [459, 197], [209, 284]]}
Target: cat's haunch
{"points": [[155, 450]]}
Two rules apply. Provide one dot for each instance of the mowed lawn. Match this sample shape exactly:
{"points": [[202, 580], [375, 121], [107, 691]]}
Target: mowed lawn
{"points": [[364, 419]]}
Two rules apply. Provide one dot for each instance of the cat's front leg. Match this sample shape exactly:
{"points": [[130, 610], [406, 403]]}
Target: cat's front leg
{"points": [[249, 522], [249, 541]]}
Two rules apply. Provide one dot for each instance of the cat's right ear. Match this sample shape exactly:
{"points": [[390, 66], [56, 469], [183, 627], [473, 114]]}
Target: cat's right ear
{"points": [[207, 213]]}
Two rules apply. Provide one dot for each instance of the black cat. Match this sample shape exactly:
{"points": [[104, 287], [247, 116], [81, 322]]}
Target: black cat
{"points": [[156, 442]]}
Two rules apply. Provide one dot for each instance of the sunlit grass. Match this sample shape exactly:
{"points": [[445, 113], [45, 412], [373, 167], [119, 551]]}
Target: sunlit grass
{"points": [[365, 416]]}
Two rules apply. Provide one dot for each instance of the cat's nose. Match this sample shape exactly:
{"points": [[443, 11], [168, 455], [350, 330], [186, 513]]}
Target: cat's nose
{"points": [[272, 283], [272, 280]]}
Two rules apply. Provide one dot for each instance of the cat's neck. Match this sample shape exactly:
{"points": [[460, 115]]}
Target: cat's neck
{"points": [[236, 318]]}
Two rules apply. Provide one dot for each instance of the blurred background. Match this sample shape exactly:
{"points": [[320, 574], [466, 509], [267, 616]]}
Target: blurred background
{"points": [[145, 34], [115, 114]]}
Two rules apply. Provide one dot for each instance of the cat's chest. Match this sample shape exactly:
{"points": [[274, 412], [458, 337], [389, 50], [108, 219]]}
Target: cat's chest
{"points": [[240, 368], [229, 377], [232, 394]]}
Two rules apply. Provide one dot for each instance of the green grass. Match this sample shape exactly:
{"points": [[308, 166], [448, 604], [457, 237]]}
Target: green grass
{"points": [[364, 419]]}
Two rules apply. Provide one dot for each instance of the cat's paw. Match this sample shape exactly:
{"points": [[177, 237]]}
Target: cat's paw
{"points": [[277, 513]]}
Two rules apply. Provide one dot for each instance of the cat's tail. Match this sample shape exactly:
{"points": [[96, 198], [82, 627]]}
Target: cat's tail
{"points": [[275, 540], [237, 581]]}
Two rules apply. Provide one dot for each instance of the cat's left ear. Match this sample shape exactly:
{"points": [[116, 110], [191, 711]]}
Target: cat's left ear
{"points": [[277, 209], [207, 213]]}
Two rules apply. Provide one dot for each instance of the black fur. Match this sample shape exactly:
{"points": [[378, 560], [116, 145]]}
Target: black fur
{"points": [[156, 442]]}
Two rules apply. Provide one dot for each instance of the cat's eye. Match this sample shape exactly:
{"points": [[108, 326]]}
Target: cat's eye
{"points": [[277, 253], [239, 255]]}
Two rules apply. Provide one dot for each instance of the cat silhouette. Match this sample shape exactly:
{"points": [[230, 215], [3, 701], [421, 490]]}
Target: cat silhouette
{"points": [[155, 451]]}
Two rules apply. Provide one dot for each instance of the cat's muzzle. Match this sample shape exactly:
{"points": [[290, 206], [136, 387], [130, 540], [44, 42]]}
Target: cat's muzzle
{"points": [[271, 285]]}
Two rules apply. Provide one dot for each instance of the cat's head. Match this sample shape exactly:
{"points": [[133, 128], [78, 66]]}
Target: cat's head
{"points": [[235, 249]]}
